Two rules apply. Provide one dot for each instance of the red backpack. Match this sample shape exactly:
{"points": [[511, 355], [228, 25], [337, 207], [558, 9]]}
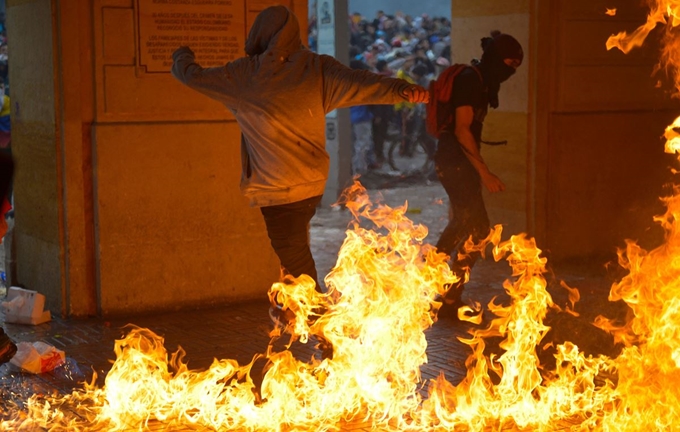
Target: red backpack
{"points": [[439, 114]]}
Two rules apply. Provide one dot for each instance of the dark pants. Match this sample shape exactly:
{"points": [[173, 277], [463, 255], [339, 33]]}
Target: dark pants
{"points": [[288, 230], [468, 213], [6, 173], [380, 128]]}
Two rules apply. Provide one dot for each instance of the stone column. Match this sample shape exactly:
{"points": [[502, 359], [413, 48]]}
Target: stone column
{"points": [[333, 40], [38, 237]]}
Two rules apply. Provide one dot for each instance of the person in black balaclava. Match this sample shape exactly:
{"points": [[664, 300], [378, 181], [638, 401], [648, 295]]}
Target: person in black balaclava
{"points": [[501, 58], [459, 164]]}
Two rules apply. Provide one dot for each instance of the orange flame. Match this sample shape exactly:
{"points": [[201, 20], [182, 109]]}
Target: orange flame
{"points": [[384, 293], [626, 42], [521, 397], [649, 366], [665, 12], [382, 299], [383, 296]]}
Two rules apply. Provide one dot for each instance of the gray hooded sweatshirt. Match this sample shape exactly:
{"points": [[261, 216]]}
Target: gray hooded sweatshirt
{"points": [[280, 94]]}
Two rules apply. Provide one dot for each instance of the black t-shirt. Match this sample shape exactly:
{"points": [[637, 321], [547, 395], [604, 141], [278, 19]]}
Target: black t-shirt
{"points": [[468, 89]]}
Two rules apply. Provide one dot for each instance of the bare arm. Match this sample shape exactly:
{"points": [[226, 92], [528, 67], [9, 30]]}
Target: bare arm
{"points": [[464, 117]]}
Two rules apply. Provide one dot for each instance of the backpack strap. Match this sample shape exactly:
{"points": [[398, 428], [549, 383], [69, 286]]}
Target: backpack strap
{"points": [[495, 143], [439, 115]]}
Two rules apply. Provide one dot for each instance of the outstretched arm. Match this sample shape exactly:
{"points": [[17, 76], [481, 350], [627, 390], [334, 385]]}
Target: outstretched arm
{"points": [[464, 117], [217, 82], [344, 87]]}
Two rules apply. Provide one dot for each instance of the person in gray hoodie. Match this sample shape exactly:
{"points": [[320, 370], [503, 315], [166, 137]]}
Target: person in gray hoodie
{"points": [[280, 93]]}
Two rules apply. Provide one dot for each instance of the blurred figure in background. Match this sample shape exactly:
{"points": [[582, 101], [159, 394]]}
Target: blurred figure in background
{"points": [[382, 117], [6, 173], [7, 167], [7, 347], [361, 117]]}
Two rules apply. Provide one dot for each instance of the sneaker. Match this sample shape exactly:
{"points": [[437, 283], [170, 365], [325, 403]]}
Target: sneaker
{"points": [[7, 347]]}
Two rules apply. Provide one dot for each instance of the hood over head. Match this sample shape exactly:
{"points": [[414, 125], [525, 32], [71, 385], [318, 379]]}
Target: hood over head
{"points": [[503, 46], [275, 29], [498, 48]]}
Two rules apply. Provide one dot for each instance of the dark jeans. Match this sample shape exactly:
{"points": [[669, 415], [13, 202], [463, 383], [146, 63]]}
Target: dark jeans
{"points": [[379, 137], [288, 230], [464, 188]]}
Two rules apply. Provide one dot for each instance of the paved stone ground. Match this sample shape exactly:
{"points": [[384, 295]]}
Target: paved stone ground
{"points": [[241, 330]]}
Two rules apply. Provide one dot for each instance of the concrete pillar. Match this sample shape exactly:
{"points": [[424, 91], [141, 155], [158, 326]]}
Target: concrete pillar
{"points": [[127, 196], [333, 40], [38, 196], [596, 152]]}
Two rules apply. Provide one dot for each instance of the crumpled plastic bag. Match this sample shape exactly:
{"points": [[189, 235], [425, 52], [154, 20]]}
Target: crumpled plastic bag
{"points": [[37, 357]]}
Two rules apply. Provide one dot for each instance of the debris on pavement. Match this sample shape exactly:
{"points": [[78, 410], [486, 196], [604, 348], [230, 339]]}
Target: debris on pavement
{"points": [[37, 357], [25, 307]]}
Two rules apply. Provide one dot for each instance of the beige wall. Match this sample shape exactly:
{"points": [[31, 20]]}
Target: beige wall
{"points": [[472, 20], [127, 196], [37, 235], [173, 228]]}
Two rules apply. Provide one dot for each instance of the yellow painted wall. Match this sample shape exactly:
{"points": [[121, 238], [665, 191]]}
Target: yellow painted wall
{"points": [[173, 228], [507, 208]]}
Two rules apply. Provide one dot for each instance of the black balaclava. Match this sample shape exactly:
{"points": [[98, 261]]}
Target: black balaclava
{"points": [[497, 48]]}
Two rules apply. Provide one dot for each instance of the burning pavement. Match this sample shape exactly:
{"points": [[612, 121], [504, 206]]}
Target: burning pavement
{"points": [[611, 366], [393, 368]]}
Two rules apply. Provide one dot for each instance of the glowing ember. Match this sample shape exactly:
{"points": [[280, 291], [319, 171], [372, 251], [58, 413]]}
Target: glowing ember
{"points": [[383, 296]]}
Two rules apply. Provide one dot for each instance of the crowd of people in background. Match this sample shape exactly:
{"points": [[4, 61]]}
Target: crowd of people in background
{"points": [[4, 53], [5, 129], [416, 49]]}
